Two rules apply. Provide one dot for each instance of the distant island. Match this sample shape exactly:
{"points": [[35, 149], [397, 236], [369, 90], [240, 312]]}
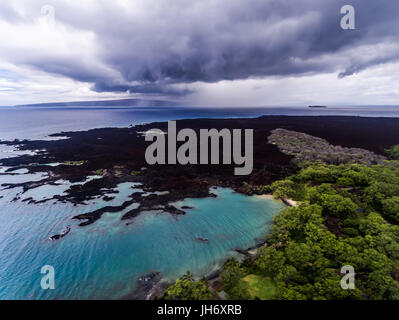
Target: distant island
{"points": [[317, 106], [107, 103]]}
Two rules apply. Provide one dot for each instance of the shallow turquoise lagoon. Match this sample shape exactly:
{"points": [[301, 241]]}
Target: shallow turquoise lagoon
{"points": [[104, 260]]}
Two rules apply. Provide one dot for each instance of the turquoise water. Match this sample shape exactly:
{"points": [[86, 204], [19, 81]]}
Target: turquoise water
{"points": [[104, 260]]}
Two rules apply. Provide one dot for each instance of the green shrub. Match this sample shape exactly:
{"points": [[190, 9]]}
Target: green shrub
{"points": [[390, 207], [393, 152], [343, 181]]}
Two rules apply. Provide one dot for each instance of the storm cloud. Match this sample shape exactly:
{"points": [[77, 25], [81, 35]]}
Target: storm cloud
{"points": [[158, 46]]}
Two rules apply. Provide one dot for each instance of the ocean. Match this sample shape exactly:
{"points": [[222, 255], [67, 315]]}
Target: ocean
{"points": [[37, 122], [104, 260]]}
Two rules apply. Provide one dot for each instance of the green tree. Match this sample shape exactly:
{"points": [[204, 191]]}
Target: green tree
{"points": [[270, 261], [239, 291], [302, 255], [338, 206], [373, 224], [382, 286], [344, 181], [390, 207], [186, 288], [393, 152], [328, 286], [283, 188], [231, 274]]}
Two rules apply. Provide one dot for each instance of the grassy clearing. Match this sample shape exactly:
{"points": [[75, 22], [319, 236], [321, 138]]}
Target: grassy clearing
{"points": [[260, 287]]}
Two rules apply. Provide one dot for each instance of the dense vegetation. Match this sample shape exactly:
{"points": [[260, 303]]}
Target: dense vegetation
{"points": [[348, 215], [394, 152], [186, 288]]}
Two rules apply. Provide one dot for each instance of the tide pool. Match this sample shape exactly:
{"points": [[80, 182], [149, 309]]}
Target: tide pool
{"points": [[104, 260]]}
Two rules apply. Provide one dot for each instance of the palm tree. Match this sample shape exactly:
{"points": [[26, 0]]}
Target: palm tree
{"points": [[188, 276]]}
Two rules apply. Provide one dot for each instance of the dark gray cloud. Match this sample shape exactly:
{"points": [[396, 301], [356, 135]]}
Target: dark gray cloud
{"points": [[157, 89], [153, 46]]}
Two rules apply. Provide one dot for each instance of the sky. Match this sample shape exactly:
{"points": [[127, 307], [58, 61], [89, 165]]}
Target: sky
{"points": [[200, 52]]}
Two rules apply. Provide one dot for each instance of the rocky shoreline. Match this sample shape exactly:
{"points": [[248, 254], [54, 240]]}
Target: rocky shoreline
{"points": [[148, 287], [116, 155]]}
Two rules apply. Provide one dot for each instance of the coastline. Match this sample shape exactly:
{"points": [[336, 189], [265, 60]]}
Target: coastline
{"points": [[290, 202], [180, 182], [287, 201]]}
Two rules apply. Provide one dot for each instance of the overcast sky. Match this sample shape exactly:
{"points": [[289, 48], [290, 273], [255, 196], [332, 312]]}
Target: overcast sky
{"points": [[202, 52]]}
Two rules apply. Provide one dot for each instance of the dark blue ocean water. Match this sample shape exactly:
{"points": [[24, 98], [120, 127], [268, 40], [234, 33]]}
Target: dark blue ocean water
{"points": [[104, 260], [35, 122]]}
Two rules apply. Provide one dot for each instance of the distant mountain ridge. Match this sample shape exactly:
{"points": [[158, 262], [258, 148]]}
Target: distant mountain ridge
{"points": [[106, 103]]}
